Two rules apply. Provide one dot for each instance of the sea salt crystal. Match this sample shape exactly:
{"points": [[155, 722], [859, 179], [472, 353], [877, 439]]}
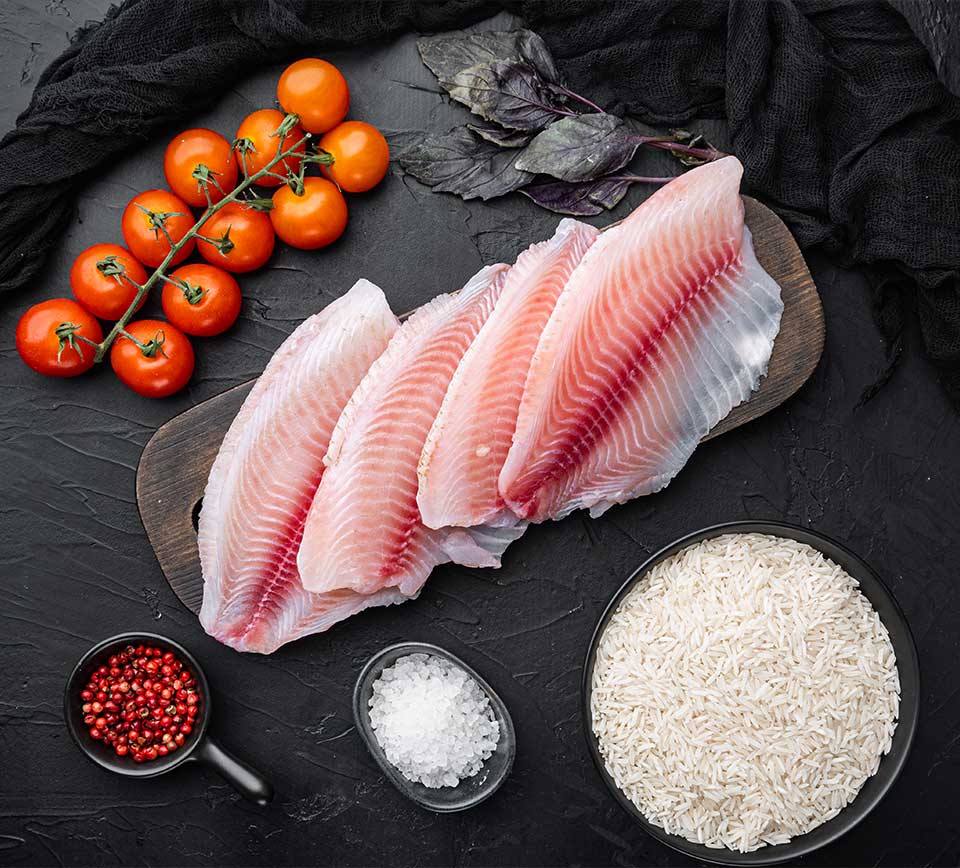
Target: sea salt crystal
{"points": [[433, 721]]}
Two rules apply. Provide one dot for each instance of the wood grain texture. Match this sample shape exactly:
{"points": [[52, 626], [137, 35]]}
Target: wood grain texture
{"points": [[175, 463]]}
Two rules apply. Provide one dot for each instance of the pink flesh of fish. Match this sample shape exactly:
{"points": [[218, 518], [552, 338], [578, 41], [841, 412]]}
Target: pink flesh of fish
{"points": [[364, 530], [666, 324], [267, 471], [471, 436]]}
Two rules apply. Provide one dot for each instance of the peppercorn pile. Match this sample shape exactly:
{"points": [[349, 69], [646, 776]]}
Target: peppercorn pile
{"points": [[143, 702]]}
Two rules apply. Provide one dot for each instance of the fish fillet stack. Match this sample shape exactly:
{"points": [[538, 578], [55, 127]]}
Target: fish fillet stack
{"points": [[580, 377]]}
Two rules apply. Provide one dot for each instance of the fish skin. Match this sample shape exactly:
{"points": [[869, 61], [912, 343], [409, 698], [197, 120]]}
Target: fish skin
{"points": [[666, 325], [364, 530], [472, 434], [267, 471]]}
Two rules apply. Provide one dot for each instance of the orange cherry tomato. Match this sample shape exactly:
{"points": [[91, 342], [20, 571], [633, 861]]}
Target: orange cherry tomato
{"points": [[314, 219], [141, 221], [194, 148], [99, 279], [49, 338], [207, 305], [316, 91], [360, 154], [258, 128], [247, 233], [158, 362]]}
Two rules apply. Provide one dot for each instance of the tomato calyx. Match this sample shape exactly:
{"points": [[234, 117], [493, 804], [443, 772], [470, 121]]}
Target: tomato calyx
{"points": [[151, 348], [290, 120], [192, 292], [110, 266], [257, 203], [205, 176], [66, 332], [223, 243], [158, 221]]}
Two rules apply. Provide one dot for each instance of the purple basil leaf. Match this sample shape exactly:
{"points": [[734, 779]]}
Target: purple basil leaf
{"points": [[500, 136], [580, 148], [462, 163], [581, 199], [511, 94], [449, 53]]}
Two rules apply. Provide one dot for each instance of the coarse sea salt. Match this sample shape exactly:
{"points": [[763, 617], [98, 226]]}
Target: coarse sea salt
{"points": [[433, 721]]}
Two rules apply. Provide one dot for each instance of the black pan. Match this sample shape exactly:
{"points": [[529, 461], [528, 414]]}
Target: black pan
{"points": [[198, 747], [875, 787]]}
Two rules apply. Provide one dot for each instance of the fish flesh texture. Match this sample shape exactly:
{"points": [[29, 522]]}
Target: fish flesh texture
{"points": [[665, 326], [267, 472], [364, 531], [470, 438]]}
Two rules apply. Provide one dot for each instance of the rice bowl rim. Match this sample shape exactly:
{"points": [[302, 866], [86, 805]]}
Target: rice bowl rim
{"points": [[875, 787]]}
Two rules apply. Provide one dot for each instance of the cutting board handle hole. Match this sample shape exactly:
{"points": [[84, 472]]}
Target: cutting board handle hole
{"points": [[195, 515]]}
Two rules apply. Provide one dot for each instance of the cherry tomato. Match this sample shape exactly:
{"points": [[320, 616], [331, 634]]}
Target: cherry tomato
{"points": [[246, 232], [141, 226], [315, 219], [98, 278], [161, 366], [195, 148], [259, 128], [316, 91], [48, 338], [360, 154], [207, 305]]}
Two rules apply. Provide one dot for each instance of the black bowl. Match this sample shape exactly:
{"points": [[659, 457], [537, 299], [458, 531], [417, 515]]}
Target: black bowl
{"points": [[875, 787], [197, 747]]}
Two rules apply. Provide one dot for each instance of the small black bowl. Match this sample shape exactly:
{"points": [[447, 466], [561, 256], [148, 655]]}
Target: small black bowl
{"points": [[198, 745], [442, 800], [874, 789]]}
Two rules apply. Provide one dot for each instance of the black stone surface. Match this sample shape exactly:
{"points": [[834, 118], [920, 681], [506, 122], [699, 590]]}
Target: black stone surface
{"points": [[76, 565]]}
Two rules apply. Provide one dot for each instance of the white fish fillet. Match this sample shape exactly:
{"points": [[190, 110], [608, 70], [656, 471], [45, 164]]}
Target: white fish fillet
{"points": [[472, 433], [364, 530], [666, 325], [267, 471]]}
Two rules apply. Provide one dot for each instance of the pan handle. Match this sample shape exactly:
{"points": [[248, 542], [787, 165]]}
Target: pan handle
{"points": [[245, 780]]}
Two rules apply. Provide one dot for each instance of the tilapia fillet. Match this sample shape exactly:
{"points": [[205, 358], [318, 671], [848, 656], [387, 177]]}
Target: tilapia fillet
{"points": [[665, 326], [364, 531], [265, 476], [470, 438]]}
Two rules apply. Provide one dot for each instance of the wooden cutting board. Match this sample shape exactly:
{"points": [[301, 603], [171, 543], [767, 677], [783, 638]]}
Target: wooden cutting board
{"points": [[175, 462]]}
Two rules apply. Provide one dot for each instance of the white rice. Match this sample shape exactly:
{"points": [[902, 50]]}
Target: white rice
{"points": [[744, 691]]}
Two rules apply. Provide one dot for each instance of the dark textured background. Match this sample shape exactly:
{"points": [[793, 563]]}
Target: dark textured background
{"points": [[77, 566]]}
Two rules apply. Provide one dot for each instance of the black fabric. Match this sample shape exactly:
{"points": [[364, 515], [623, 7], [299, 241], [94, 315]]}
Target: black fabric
{"points": [[835, 109]]}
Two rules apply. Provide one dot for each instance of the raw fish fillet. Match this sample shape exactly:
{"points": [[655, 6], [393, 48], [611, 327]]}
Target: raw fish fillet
{"points": [[471, 436], [267, 471], [364, 530], [665, 326]]}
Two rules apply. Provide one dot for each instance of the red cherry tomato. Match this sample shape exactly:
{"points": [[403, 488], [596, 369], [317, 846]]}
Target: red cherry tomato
{"points": [[314, 219], [207, 305], [99, 279], [49, 338], [360, 154], [247, 236], [316, 91], [258, 128], [141, 226], [191, 150], [158, 364]]}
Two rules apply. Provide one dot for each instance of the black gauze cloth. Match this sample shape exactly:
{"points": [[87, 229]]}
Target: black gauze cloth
{"points": [[835, 109]]}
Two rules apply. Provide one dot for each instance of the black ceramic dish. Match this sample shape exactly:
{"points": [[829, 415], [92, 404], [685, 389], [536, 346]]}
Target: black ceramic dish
{"points": [[444, 800], [198, 747], [875, 787]]}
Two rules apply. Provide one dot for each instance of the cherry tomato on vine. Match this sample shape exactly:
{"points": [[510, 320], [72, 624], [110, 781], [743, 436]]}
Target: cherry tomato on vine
{"points": [[245, 237], [208, 303], [360, 154], [316, 91], [158, 362], [99, 281], [142, 221], [311, 220], [49, 338], [184, 158], [258, 128]]}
